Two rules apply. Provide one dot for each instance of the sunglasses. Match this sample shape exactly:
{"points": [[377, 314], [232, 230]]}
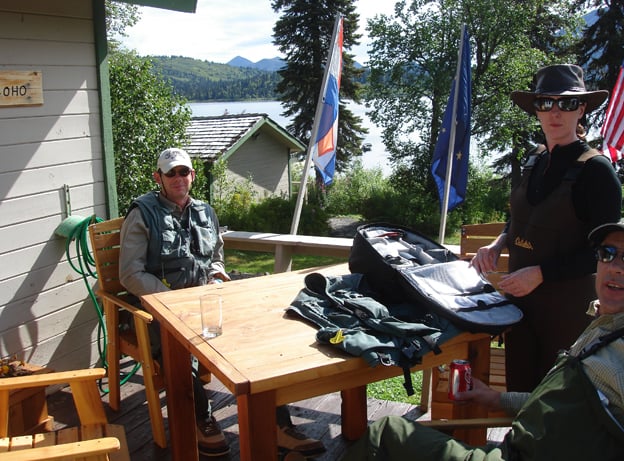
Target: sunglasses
{"points": [[564, 104], [607, 253], [184, 172]]}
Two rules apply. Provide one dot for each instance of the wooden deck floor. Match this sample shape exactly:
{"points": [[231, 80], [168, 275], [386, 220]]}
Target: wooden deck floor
{"points": [[318, 417]]}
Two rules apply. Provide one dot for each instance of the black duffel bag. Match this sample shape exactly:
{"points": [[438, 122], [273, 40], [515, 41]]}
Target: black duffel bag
{"points": [[403, 265]]}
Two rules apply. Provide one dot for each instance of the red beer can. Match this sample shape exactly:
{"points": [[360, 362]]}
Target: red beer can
{"points": [[460, 378]]}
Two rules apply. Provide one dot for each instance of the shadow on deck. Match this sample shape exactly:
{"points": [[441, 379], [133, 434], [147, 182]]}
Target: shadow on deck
{"points": [[318, 417]]}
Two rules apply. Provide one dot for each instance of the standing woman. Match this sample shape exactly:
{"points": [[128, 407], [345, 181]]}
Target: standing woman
{"points": [[567, 189]]}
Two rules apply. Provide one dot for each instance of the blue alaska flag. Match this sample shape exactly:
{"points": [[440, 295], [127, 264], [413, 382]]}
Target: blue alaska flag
{"points": [[461, 148]]}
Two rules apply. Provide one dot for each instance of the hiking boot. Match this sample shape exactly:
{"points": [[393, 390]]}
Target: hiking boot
{"points": [[290, 439], [210, 438]]}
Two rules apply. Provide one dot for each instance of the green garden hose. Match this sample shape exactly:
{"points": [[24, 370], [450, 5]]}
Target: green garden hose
{"points": [[76, 228]]}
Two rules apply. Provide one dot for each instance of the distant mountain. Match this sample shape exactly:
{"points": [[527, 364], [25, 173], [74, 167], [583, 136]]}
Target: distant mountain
{"points": [[271, 65], [238, 80], [239, 61], [199, 80]]}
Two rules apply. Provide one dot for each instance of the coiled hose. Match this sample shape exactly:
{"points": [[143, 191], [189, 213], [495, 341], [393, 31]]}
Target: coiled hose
{"points": [[76, 229]]}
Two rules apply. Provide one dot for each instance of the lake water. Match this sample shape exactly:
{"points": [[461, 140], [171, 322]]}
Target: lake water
{"points": [[377, 157]]}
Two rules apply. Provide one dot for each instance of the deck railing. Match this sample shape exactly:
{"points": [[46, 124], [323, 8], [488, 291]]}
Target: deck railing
{"points": [[286, 245]]}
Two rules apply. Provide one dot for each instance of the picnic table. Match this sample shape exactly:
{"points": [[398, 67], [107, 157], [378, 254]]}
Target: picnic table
{"points": [[267, 359]]}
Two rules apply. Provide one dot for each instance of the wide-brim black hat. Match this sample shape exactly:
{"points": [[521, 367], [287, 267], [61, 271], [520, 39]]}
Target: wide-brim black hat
{"points": [[559, 80]]}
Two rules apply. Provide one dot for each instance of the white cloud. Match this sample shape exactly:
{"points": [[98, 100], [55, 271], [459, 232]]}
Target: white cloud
{"points": [[220, 30]]}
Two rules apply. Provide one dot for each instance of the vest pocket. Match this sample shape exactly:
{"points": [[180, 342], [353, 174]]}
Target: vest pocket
{"points": [[204, 240]]}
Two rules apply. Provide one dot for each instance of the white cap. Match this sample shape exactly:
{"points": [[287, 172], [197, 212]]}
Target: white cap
{"points": [[172, 157]]}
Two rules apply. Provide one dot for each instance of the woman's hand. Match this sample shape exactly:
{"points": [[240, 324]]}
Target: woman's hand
{"points": [[486, 258], [521, 282]]}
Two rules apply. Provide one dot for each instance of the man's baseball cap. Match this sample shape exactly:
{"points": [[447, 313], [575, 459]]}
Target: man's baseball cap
{"points": [[172, 157], [597, 235]]}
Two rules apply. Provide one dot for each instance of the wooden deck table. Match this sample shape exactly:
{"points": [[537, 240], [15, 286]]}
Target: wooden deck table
{"points": [[266, 359]]}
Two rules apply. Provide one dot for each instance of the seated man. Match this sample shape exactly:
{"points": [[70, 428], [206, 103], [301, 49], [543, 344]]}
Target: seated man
{"points": [[576, 412], [170, 241]]}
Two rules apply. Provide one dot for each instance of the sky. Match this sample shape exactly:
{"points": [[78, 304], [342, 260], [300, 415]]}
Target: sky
{"points": [[220, 30]]}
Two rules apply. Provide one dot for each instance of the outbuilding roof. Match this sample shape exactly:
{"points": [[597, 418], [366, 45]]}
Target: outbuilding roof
{"points": [[211, 138]]}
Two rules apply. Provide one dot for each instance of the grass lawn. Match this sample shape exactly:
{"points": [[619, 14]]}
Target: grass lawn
{"points": [[392, 389], [257, 263]]}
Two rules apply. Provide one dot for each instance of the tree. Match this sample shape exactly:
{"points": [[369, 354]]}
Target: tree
{"points": [[303, 34], [549, 35], [147, 118], [119, 16], [413, 59], [601, 48]]}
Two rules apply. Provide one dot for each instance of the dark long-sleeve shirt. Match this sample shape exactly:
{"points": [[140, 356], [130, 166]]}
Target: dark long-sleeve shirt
{"points": [[596, 197]]}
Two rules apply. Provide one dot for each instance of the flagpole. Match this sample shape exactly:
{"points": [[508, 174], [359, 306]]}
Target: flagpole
{"points": [[451, 148], [315, 127]]}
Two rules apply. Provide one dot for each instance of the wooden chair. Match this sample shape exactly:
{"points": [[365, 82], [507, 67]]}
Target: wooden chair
{"points": [[134, 342], [474, 236], [94, 440]]}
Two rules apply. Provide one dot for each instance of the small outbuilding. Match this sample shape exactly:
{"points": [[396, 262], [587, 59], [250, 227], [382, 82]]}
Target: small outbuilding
{"points": [[254, 147]]}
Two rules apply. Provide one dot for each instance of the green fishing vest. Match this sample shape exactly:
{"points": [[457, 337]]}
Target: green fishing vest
{"points": [[180, 251], [564, 418]]}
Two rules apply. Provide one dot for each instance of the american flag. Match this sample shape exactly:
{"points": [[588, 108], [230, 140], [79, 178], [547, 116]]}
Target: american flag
{"points": [[613, 128]]}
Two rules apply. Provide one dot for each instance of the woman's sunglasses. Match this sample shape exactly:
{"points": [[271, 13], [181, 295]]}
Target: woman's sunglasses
{"points": [[606, 253], [184, 172], [564, 104]]}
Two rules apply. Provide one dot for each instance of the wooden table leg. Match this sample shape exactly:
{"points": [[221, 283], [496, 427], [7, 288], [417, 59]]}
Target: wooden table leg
{"points": [[180, 402], [257, 426], [353, 411]]}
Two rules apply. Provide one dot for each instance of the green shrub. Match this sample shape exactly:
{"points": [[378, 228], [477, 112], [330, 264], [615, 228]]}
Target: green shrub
{"points": [[350, 191], [148, 117]]}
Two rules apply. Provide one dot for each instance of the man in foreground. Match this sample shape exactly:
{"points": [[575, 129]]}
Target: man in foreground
{"points": [[575, 413]]}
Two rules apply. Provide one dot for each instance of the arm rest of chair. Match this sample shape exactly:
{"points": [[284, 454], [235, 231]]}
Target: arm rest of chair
{"points": [[468, 423], [84, 391], [65, 451], [49, 379], [139, 314]]}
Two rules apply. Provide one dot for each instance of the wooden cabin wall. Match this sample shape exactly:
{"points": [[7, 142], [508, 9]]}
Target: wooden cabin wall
{"points": [[46, 316], [266, 158]]}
